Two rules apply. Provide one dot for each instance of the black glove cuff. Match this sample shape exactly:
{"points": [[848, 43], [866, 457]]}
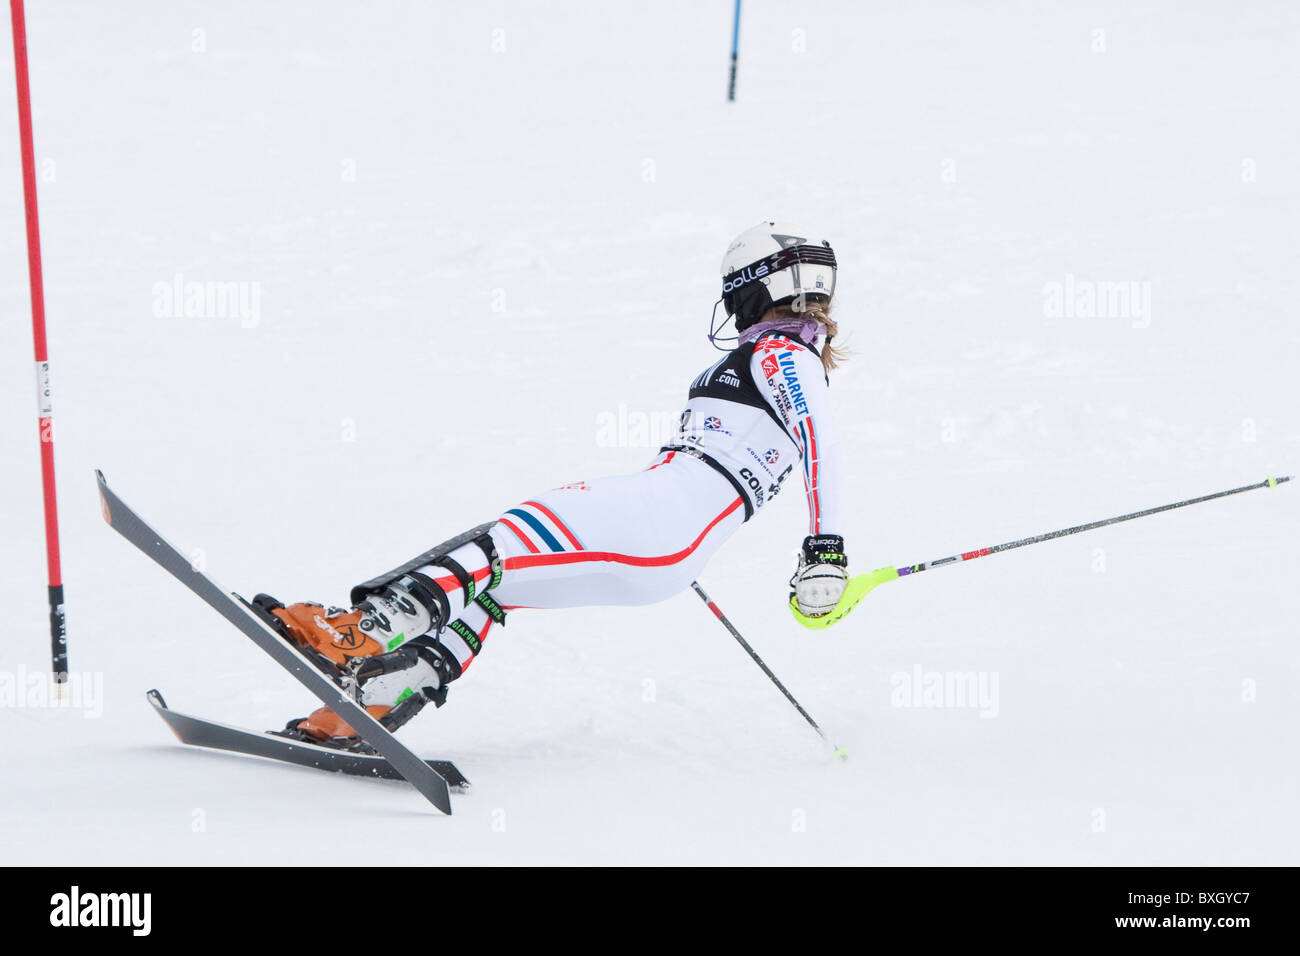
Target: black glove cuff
{"points": [[825, 549]]}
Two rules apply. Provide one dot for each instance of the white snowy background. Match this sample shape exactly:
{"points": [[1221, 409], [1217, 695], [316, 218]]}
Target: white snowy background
{"points": [[479, 230]]}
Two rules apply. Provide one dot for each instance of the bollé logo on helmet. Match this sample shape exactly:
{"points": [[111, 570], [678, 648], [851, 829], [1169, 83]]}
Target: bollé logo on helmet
{"points": [[747, 274]]}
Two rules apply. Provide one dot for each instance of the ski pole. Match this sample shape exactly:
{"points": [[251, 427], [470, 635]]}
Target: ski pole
{"points": [[994, 549], [717, 612], [861, 585]]}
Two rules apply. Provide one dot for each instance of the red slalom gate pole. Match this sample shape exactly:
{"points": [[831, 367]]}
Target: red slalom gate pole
{"points": [[45, 410]]}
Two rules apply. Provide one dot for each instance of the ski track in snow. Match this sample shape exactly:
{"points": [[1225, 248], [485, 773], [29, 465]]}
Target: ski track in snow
{"points": [[528, 237]]}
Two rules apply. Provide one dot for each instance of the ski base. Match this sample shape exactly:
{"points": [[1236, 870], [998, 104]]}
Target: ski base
{"points": [[198, 732]]}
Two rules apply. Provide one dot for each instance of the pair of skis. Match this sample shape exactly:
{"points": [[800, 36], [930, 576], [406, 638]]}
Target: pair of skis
{"points": [[390, 758]]}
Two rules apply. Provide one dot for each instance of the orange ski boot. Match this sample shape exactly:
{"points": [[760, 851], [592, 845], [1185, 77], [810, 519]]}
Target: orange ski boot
{"points": [[392, 687], [332, 637], [375, 652]]}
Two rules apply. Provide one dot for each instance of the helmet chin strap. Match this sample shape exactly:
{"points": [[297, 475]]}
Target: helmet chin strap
{"points": [[715, 327]]}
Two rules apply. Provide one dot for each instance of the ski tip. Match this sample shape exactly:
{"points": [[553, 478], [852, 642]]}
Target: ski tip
{"points": [[841, 753], [1274, 482], [103, 497]]}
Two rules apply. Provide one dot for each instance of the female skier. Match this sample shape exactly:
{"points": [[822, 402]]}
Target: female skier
{"points": [[623, 540]]}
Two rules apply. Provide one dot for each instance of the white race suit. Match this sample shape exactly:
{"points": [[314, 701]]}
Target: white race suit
{"points": [[757, 415]]}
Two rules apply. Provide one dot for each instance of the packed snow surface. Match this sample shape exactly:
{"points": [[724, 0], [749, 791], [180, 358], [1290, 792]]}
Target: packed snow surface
{"points": [[467, 243]]}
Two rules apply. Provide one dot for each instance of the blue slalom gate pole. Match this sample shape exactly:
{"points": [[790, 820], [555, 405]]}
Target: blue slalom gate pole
{"points": [[735, 47]]}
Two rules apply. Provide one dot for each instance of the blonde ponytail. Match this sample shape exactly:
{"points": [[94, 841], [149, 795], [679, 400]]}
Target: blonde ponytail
{"points": [[832, 355]]}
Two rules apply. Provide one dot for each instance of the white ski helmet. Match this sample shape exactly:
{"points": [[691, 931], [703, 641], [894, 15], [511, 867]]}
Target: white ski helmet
{"points": [[774, 263]]}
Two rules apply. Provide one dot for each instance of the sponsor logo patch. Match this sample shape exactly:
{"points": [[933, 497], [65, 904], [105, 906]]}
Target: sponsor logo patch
{"points": [[770, 365], [792, 381]]}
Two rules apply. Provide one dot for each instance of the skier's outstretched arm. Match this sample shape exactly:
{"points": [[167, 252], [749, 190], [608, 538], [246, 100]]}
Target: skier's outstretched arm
{"points": [[799, 394]]}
